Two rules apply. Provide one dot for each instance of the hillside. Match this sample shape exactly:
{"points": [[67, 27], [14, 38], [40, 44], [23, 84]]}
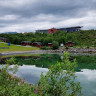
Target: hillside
{"points": [[80, 38]]}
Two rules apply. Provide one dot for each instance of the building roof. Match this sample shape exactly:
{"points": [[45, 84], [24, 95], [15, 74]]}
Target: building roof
{"points": [[39, 43], [72, 27], [26, 41]]}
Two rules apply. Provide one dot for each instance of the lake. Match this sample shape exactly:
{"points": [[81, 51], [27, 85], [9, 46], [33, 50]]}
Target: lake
{"points": [[31, 68]]}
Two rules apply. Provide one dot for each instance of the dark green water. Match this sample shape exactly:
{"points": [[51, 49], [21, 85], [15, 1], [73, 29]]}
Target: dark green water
{"points": [[46, 60]]}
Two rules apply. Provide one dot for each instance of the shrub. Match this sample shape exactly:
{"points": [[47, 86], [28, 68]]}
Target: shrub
{"points": [[43, 48], [58, 82], [55, 45], [46, 48], [11, 85], [66, 47], [10, 61]]}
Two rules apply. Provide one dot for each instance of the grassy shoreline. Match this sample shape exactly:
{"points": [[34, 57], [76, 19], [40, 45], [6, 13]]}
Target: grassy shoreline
{"points": [[5, 48]]}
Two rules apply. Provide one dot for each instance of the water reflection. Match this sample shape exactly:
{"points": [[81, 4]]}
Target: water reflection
{"points": [[90, 75], [31, 73], [87, 78]]}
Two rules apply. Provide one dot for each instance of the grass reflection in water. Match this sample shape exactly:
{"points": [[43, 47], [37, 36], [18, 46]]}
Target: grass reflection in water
{"points": [[46, 60]]}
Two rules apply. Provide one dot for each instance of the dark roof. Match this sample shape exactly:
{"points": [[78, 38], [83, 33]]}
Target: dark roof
{"points": [[10, 32], [2, 38], [41, 30], [69, 42], [71, 27], [26, 41], [37, 42]]}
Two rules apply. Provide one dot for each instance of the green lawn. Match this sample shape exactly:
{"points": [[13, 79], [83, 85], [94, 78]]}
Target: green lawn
{"points": [[5, 48]]}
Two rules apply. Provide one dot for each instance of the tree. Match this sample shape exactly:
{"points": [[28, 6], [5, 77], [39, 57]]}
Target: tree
{"points": [[55, 45], [59, 80]]}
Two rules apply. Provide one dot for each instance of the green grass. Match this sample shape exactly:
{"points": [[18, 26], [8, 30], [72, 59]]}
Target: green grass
{"points": [[13, 47]]}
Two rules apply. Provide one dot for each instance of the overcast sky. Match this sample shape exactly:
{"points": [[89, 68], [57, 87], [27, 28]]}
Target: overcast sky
{"points": [[31, 15]]}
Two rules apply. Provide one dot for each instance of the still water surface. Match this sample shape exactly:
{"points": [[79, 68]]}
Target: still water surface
{"points": [[86, 67], [86, 77]]}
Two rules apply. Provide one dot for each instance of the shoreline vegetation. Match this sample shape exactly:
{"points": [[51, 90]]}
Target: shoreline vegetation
{"points": [[54, 83], [70, 50], [46, 60]]}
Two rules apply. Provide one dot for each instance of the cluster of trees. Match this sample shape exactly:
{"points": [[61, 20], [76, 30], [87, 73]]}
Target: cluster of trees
{"points": [[80, 38]]}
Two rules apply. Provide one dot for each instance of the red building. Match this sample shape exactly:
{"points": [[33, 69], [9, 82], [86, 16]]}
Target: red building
{"points": [[69, 44], [37, 44], [3, 39], [24, 43], [52, 30], [49, 44]]}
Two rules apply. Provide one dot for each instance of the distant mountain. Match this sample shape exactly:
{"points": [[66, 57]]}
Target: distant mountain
{"points": [[10, 32]]}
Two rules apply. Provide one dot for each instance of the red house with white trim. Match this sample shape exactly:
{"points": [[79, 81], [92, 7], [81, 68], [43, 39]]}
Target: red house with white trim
{"points": [[24, 43], [37, 44], [50, 44], [69, 44]]}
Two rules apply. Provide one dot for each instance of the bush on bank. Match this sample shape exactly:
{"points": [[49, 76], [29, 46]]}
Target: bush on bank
{"points": [[56, 82], [11, 85]]}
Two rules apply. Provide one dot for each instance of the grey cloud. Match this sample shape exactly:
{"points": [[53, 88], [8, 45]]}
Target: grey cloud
{"points": [[52, 11], [56, 7]]}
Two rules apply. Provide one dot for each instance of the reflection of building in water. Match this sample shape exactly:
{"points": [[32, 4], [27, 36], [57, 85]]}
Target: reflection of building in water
{"points": [[61, 57], [61, 44], [0, 56]]}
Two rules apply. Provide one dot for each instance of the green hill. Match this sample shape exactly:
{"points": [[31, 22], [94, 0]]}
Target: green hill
{"points": [[80, 38]]}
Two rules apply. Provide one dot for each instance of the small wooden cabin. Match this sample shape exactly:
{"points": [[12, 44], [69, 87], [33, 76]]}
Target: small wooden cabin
{"points": [[24, 43], [50, 44], [69, 44], [37, 44], [3, 39]]}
